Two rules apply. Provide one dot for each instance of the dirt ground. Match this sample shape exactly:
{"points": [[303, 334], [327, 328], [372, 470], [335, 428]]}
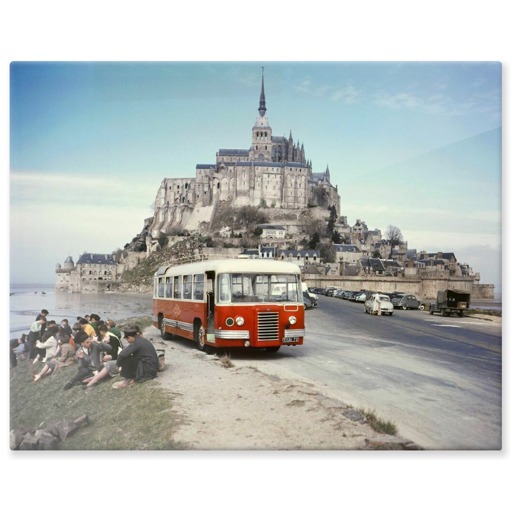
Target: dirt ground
{"points": [[230, 408]]}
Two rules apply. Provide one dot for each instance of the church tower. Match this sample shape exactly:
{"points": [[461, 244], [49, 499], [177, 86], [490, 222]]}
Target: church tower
{"points": [[261, 147]]}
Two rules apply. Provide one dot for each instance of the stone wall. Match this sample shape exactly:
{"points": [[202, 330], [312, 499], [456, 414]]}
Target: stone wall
{"points": [[425, 288]]}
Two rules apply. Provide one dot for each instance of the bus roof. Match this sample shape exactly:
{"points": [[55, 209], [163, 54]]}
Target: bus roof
{"points": [[230, 265]]}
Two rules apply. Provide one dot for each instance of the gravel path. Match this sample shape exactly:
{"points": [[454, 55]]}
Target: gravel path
{"points": [[222, 407]]}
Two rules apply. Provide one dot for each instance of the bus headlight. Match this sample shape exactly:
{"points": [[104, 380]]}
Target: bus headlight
{"points": [[239, 321], [292, 320]]}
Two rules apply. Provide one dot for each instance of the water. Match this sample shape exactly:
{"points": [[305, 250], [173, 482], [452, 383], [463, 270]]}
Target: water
{"points": [[26, 302]]}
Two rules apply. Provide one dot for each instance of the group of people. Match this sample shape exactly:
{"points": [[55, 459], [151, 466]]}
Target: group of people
{"points": [[97, 347]]}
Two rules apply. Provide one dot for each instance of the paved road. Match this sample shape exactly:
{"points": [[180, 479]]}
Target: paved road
{"points": [[438, 379]]}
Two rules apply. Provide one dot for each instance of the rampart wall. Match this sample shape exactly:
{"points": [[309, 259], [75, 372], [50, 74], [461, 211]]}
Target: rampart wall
{"points": [[425, 288]]}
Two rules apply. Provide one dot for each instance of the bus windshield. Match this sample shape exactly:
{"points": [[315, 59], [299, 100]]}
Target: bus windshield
{"points": [[258, 287]]}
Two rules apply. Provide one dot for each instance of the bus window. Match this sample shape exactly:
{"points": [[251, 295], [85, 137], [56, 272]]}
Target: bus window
{"points": [[199, 286], [168, 290], [177, 287], [187, 287], [160, 286], [262, 286], [224, 293], [242, 288]]}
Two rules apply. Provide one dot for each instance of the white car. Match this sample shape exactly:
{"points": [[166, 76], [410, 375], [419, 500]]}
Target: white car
{"points": [[314, 295], [371, 306]]}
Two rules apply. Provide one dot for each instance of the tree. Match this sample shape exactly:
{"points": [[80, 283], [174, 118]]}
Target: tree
{"points": [[315, 239], [333, 217], [394, 236], [336, 237]]}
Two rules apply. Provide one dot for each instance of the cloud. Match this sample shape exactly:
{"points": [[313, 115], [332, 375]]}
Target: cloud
{"points": [[54, 216], [55, 189], [348, 95]]}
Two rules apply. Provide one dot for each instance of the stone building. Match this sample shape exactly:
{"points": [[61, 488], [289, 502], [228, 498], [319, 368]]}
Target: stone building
{"points": [[272, 172], [92, 273]]}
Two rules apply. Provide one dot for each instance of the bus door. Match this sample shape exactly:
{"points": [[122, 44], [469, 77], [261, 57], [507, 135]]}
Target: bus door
{"points": [[210, 305]]}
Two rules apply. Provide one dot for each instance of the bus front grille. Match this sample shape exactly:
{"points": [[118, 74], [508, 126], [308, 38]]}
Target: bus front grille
{"points": [[268, 326]]}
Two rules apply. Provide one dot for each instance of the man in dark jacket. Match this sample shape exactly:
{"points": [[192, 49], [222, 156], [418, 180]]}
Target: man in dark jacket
{"points": [[138, 361]]}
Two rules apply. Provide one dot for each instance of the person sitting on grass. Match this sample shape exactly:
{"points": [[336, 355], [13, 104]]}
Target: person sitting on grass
{"points": [[138, 361], [34, 336], [47, 348], [17, 349], [113, 329], [95, 322], [89, 358], [110, 367], [65, 356], [87, 327]]}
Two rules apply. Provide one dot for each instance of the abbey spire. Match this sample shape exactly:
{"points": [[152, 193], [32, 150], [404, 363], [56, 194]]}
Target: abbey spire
{"points": [[262, 109]]}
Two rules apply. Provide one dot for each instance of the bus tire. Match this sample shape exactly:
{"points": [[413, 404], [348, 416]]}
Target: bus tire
{"points": [[199, 337], [273, 349], [165, 335]]}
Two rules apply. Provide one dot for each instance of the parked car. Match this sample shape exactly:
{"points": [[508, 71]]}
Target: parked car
{"points": [[360, 297], [371, 307], [406, 301], [308, 297], [310, 291], [307, 302], [338, 294], [329, 291]]}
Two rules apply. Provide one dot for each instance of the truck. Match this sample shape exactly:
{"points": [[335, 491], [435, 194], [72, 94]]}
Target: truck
{"points": [[450, 301]]}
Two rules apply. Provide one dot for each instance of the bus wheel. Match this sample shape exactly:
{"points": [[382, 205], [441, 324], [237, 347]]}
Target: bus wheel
{"points": [[165, 335], [272, 349], [199, 337]]}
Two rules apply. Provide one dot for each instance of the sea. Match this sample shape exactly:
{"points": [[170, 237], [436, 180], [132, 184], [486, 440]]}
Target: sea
{"points": [[27, 300]]}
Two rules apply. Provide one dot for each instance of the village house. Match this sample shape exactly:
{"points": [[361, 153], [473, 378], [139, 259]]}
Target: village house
{"points": [[300, 256], [272, 231], [349, 254]]}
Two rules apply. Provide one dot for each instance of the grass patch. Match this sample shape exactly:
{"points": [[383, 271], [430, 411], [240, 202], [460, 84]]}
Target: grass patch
{"points": [[225, 361], [378, 424], [136, 418], [489, 312]]}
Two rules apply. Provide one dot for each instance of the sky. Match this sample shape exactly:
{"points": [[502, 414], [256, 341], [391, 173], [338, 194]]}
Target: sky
{"points": [[416, 145]]}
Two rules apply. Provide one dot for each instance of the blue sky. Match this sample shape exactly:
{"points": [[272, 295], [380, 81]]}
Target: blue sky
{"points": [[415, 145]]}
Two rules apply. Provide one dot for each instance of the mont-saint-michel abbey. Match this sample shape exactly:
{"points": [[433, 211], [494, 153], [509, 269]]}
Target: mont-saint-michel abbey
{"points": [[299, 219], [274, 171]]}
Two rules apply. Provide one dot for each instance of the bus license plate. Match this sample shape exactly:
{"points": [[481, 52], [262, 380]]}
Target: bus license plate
{"points": [[290, 339]]}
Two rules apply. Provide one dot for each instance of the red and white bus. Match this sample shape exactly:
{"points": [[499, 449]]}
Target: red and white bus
{"points": [[231, 303]]}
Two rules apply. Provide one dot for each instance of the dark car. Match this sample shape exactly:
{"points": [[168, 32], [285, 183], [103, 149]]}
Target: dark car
{"points": [[407, 301]]}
